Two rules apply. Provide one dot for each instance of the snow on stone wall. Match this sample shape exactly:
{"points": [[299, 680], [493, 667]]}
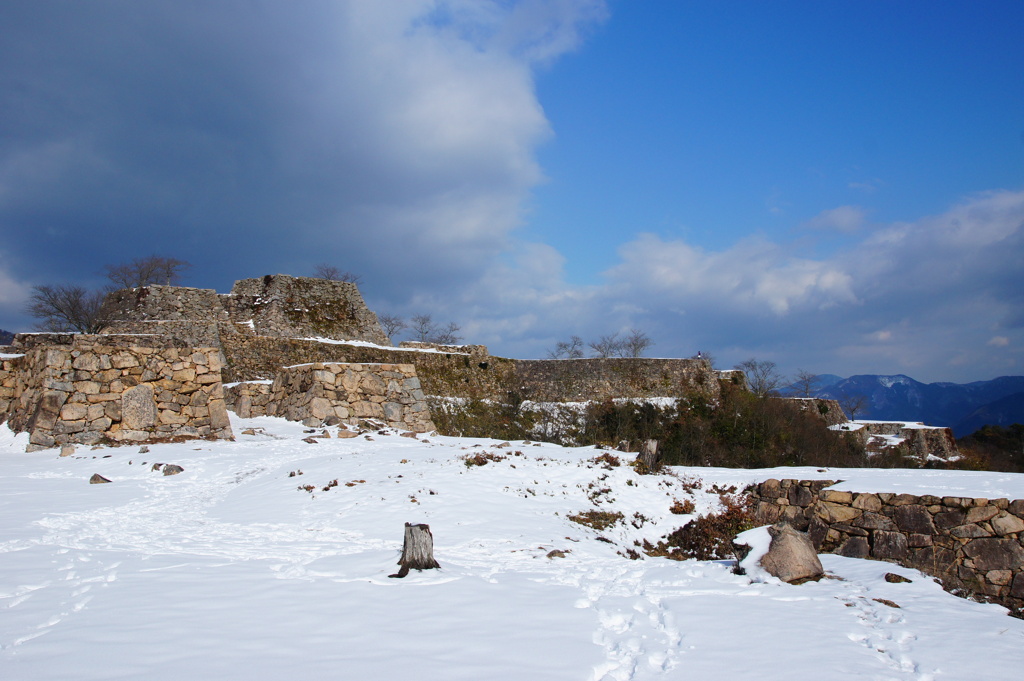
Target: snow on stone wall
{"points": [[89, 389], [327, 394]]}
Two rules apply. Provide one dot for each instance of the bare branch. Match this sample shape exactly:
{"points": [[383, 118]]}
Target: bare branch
{"points": [[762, 376], [327, 271], [153, 269], [391, 324], [636, 343], [607, 346], [66, 308], [570, 349]]}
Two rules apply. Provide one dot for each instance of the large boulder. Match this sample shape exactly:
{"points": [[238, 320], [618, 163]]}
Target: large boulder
{"points": [[781, 551]]}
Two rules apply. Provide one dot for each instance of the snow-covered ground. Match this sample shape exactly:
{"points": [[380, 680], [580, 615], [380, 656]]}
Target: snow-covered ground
{"points": [[231, 570]]}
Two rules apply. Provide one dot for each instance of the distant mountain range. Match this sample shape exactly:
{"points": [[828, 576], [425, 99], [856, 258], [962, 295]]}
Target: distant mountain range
{"points": [[6, 337], [962, 407]]}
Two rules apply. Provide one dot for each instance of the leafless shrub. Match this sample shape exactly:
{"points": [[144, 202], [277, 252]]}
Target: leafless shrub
{"points": [[65, 308], [153, 269]]}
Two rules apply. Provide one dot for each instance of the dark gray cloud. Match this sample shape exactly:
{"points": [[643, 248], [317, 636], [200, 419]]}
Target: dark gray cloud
{"points": [[393, 139]]}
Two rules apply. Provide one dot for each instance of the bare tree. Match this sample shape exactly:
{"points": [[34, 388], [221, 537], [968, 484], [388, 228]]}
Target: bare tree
{"points": [[762, 376], [853, 405], [636, 343], [422, 327], [805, 384], [425, 330], [153, 269], [607, 346], [447, 335], [570, 349], [391, 324], [327, 271], [66, 308]]}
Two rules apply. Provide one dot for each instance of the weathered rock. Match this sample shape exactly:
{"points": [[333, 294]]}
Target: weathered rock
{"points": [[855, 547], [914, 518], [138, 408], [1005, 523], [67, 450], [97, 479], [889, 546], [995, 554], [791, 556], [173, 469]]}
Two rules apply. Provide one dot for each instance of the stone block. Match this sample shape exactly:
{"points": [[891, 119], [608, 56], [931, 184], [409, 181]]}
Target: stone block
{"points": [[138, 408], [889, 545], [868, 502], [980, 514], [995, 554], [836, 497], [914, 518], [835, 513], [970, 531], [875, 521], [1005, 523], [950, 519], [74, 412], [855, 547]]}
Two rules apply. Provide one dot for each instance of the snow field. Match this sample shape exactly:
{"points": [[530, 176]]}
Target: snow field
{"points": [[232, 570]]}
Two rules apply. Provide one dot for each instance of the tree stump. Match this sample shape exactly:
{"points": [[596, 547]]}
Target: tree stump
{"points": [[417, 550], [649, 455]]}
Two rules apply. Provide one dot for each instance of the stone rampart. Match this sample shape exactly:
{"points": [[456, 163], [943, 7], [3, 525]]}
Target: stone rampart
{"points": [[827, 410], [89, 389], [301, 307], [326, 394], [248, 398], [970, 544], [278, 305], [575, 380], [921, 442], [449, 374]]}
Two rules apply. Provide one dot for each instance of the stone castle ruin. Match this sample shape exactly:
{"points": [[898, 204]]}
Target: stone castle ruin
{"points": [[169, 360], [180, 355]]}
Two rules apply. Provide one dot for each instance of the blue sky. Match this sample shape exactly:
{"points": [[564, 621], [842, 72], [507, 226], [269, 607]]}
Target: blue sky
{"points": [[837, 187]]}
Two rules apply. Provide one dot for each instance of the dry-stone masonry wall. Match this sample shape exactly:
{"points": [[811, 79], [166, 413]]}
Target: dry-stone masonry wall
{"points": [[598, 378], [325, 394], [827, 410], [248, 398], [90, 389], [921, 441], [193, 316], [299, 307], [971, 544], [275, 305]]}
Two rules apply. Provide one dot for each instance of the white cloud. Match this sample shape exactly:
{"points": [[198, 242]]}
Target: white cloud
{"points": [[844, 219], [911, 298]]}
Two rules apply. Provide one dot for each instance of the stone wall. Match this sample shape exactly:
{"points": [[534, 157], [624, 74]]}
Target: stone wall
{"points": [[300, 307], [827, 410], [576, 380], [278, 305], [326, 394], [89, 389], [970, 544], [248, 398], [921, 442], [450, 374], [8, 381]]}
